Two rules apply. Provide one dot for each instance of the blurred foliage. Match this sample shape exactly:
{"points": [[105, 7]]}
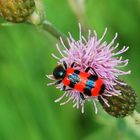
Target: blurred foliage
{"points": [[28, 111]]}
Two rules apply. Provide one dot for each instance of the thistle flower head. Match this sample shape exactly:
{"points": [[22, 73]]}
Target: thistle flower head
{"points": [[16, 10], [98, 54]]}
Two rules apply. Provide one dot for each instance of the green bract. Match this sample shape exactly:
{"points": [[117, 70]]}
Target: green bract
{"points": [[121, 105]]}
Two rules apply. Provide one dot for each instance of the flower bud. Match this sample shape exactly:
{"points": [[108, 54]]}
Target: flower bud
{"points": [[121, 105], [16, 10]]}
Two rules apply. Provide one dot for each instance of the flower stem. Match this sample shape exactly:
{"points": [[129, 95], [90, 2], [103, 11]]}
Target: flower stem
{"points": [[136, 117], [48, 27]]}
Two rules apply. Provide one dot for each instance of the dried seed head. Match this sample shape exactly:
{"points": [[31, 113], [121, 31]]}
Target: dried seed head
{"points": [[121, 105], [16, 10]]}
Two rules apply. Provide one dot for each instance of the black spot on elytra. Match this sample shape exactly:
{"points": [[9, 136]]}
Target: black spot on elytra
{"points": [[93, 77], [87, 91], [76, 71], [102, 89], [71, 84]]}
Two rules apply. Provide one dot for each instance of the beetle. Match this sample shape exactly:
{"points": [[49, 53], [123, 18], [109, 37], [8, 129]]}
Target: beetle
{"points": [[86, 83]]}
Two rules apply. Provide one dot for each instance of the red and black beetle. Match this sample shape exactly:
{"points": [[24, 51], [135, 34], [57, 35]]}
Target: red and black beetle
{"points": [[84, 82]]}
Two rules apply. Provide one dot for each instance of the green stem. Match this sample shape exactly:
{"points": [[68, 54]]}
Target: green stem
{"points": [[136, 117], [48, 27]]}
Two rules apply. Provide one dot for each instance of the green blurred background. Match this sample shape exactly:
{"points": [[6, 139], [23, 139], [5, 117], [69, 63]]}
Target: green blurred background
{"points": [[27, 108]]}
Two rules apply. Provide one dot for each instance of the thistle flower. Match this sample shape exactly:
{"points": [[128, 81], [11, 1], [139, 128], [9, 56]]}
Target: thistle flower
{"points": [[98, 54]]}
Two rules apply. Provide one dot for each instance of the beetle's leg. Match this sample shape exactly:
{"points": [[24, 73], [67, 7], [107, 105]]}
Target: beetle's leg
{"points": [[64, 88], [72, 65], [88, 68], [54, 83], [65, 65], [58, 82], [82, 96], [101, 100]]}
